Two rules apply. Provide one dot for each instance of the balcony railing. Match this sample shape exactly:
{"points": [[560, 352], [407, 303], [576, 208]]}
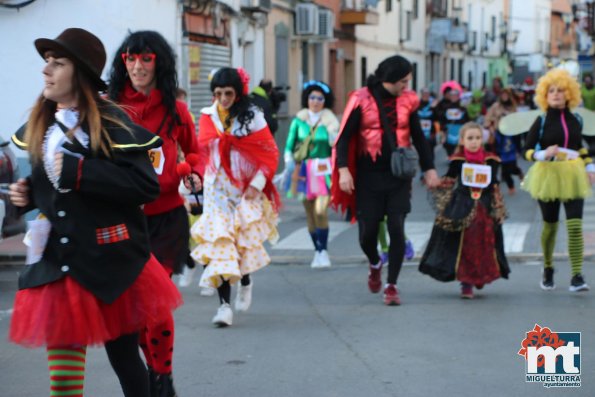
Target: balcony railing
{"points": [[359, 12]]}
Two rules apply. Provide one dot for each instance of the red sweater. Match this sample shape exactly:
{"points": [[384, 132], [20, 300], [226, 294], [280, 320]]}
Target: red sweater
{"points": [[149, 112]]}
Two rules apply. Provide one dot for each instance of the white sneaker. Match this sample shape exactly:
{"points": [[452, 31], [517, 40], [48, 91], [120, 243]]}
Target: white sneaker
{"points": [[244, 297], [187, 276], [207, 291], [323, 259], [224, 316], [316, 260]]}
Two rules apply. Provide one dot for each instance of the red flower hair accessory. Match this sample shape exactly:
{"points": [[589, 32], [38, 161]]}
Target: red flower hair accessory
{"points": [[245, 77]]}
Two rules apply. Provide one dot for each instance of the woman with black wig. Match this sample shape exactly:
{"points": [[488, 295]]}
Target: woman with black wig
{"points": [[240, 205], [143, 80], [362, 180]]}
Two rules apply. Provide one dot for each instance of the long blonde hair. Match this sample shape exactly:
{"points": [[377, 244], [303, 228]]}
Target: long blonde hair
{"points": [[92, 114]]}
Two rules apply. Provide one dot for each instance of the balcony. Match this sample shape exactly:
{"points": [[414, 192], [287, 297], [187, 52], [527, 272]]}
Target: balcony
{"points": [[358, 12]]}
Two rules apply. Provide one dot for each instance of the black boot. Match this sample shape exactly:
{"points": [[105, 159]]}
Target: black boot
{"points": [[152, 383], [165, 386]]}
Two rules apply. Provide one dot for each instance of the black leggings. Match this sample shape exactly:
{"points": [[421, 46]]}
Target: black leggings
{"points": [[373, 203], [123, 355], [224, 289], [508, 170], [550, 211]]}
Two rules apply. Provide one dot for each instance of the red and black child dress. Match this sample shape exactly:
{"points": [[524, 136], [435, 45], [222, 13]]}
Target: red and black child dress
{"points": [[467, 243]]}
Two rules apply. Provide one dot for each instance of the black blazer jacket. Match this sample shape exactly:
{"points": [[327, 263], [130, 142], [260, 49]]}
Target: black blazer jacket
{"points": [[99, 233]]}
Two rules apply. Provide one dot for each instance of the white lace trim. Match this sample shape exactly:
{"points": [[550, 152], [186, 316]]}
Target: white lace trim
{"points": [[55, 138]]}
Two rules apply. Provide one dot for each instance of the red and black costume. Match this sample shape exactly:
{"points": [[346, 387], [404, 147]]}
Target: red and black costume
{"points": [[97, 279], [467, 242], [167, 218], [363, 149]]}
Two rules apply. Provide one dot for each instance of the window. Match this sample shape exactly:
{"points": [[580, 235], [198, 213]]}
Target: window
{"points": [[389, 5], [408, 25], [493, 35], [452, 69], [415, 9]]}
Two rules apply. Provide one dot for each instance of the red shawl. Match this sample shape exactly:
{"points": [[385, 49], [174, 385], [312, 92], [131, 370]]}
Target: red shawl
{"points": [[258, 149]]}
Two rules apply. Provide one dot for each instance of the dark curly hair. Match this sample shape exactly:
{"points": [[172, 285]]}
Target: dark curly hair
{"points": [[313, 85], [166, 75], [229, 77]]}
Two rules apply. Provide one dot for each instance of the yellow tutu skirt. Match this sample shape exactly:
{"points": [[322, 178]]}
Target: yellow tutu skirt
{"points": [[557, 180]]}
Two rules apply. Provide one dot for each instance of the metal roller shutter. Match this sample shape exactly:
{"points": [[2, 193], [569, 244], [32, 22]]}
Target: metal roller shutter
{"points": [[211, 57]]}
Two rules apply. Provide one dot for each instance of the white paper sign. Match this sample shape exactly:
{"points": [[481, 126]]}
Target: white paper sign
{"points": [[322, 167], [36, 239], [476, 175], [566, 154], [157, 159]]}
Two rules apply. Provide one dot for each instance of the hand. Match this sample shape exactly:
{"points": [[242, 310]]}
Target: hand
{"points": [[431, 178], [346, 180], [58, 160], [251, 193], [591, 178], [551, 151], [193, 183], [19, 193]]}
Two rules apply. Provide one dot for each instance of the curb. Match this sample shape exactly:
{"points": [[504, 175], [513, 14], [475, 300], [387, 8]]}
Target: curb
{"points": [[9, 260], [356, 259]]}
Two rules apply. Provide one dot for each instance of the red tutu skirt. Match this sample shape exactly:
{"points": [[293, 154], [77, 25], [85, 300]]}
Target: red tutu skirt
{"points": [[63, 313]]}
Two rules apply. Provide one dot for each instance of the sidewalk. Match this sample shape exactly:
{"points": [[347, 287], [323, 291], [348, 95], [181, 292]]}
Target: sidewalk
{"points": [[12, 251]]}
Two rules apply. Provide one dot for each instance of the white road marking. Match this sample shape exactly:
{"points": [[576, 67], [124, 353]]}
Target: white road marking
{"points": [[5, 313], [418, 232], [300, 239]]}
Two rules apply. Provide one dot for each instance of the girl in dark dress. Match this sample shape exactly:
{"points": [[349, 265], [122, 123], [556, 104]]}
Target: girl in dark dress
{"points": [[467, 242]]}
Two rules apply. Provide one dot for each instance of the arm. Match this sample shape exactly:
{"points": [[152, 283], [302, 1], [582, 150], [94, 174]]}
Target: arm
{"points": [[350, 129], [127, 178], [454, 169], [291, 140], [531, 142]]}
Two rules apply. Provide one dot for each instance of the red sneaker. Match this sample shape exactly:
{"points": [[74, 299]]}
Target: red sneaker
{"points": [[391, 295], [466, 291], [375, 279]]}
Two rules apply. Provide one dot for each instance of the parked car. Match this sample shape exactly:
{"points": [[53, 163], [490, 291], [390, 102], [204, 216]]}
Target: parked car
{"points": [[12, 223]]}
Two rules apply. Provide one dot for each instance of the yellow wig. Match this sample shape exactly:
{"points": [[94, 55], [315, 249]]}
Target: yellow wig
{"points": [[562, 79]]}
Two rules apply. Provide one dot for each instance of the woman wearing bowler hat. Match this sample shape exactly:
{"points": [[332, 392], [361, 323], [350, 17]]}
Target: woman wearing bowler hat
{"points": [[95, 282], [143, 79]]}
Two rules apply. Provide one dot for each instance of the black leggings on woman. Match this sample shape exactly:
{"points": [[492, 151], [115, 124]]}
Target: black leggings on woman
{"points": [[375, 200], [123, 355]]}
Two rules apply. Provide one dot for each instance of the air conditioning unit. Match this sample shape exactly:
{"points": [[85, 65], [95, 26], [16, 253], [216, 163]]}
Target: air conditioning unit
{"points": [[306, 19], [256, 5], [326, 23]]}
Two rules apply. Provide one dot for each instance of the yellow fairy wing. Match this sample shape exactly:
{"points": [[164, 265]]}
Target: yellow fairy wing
{"points": [[588, 117], [519, 122]]}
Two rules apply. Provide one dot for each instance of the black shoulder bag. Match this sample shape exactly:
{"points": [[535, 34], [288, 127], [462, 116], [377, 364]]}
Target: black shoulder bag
{"points": [[403, 160]]}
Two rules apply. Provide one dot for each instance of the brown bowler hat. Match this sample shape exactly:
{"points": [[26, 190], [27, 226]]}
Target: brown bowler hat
{"points": [[83, 48]]}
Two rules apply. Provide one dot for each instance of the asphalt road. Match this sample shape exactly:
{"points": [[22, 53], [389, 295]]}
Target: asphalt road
{"points": [[321, 333]]}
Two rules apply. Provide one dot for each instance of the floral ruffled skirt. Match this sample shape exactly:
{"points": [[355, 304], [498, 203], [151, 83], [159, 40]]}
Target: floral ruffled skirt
{"points": [[231, 231]]}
